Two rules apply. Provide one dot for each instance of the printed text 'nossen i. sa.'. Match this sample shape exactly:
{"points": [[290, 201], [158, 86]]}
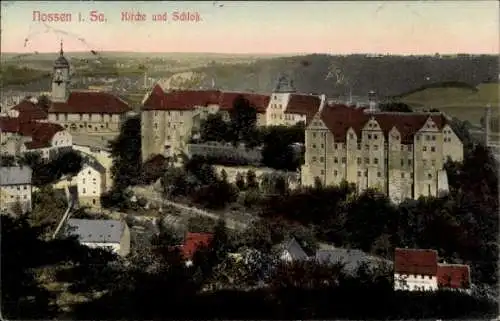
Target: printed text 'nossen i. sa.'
{"points": [[126, 16]]}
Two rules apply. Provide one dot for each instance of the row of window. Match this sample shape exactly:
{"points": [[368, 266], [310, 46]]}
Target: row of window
{"points": [[168, 113], [169, 125], [15, 187], [375, 161], [19, 197], [64, 117], [379, 174], [375, 147], [375, 137], [276, 105]]}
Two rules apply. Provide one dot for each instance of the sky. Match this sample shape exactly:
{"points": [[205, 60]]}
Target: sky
{"points": [[395, 27]]}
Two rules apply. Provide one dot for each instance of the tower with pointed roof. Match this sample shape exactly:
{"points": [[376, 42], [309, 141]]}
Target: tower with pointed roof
{"points": [[284, 84], [60, 78]]}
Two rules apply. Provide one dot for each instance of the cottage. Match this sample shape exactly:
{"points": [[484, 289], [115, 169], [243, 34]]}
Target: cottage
{"points": [[351, 259], [15, 189], [91, 183], [106, 234]]}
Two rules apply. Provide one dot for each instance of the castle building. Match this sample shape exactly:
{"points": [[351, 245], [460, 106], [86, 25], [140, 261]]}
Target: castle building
{"points": [[169, 119], [399, 154], [85, 112]]}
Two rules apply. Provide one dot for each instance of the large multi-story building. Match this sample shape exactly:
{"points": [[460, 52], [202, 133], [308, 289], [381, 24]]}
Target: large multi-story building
{"points": [[87, 112], [400, 154], [169, 119], [15, 189]]}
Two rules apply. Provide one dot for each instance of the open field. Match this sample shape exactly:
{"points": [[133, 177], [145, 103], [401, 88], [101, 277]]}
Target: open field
{"points": [[463, 103]]}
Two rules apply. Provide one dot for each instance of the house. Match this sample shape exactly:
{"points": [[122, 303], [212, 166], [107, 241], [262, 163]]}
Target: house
{"points": [[454, 276], [30, 110], [91, 183], [192, 243], [415, 269], [400, 154], [419, 270], [15, 189], [291, 251], [352, 259], [106, 234], [86, 112], [19, 136]]}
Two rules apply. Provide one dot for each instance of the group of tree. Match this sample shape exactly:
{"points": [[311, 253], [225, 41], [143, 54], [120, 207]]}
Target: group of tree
{"points": [[126, 169], [215, 286], [46, 172]]}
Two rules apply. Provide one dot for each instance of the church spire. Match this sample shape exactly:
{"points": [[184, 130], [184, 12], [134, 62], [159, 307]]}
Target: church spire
{"points": [[61, 51]]}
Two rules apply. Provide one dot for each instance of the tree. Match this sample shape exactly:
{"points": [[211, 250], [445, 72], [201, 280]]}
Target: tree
{"points": [[126, 154], [243, 119], [278, 152], [240, 181], [395, 107], [48, 207], [214, 128], [44, 102]]}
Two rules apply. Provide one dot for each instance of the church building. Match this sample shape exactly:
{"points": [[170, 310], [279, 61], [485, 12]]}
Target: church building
{"points": [[83, 112]]}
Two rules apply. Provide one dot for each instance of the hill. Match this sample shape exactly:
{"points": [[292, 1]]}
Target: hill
{"points": [[462, 102]]}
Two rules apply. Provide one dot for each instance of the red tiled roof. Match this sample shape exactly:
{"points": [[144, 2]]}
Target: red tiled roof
{"points": [[29, 111], [454, 276], [82, 102], [415, 261], [260, 102], [339, 118], [195, 241], [188, 99], [41, 133]]}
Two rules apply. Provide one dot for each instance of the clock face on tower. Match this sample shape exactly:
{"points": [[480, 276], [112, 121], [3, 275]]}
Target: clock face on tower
{"points": [[58, 77]]}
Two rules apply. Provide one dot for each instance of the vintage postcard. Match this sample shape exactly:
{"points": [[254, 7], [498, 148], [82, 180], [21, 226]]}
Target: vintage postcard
{"points": [[249, 159]]}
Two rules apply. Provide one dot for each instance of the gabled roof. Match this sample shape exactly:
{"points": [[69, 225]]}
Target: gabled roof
{"points": [[415, 261], [89, 102], [339, 118], [41, 133], [195, 241], [294, 249], [29, 111], [96, 231], [189, 99], [307, 105], [351, 258], [15, 175], [454, 276]]}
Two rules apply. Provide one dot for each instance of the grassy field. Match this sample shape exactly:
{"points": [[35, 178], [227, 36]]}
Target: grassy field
{"points": [[463, 103]]}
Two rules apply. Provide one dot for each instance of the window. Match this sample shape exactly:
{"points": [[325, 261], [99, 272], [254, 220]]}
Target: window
{"points": [[375, 147], [344, 160], [19, 188], [25, 197], [359, 146], [429, 176], [402, 175], [366, 174], [351, 136], [314, 158], [359, 174], [427, 137], [369, 136], [402, 162], [84, 181], [424, 161], [375, 136], [433, 162], [335, 146], [313, 145], [375, 161], [359, 160], [25, 187], [409, 162], [322, 172], [335, 173], [402, 147], [321, 159], [409, 148], [93, 201], [424, 148], [322, 145], [156, 126], [433, 137], [335, 160], [433, 149], [84, 191], [314, 135], [367, 147], [180, 113], [367, 160], [379, 174]]}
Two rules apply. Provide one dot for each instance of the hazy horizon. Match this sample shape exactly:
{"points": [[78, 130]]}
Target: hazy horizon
{"points": [[260, 28]]}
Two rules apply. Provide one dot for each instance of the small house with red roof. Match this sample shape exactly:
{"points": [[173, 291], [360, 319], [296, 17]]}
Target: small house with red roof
{"points": [[87, 112], [24, 135], [419, 270], [194, 242]]}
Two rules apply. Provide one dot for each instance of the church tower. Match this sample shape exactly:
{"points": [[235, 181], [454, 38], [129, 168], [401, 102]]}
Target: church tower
{"points": [[60, 78], [284, 85]]}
